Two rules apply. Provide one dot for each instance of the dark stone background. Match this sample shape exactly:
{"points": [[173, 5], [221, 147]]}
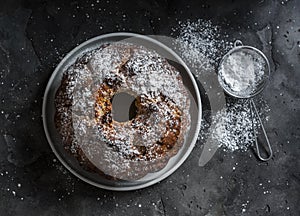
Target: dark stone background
{"points": [[35, 35]]}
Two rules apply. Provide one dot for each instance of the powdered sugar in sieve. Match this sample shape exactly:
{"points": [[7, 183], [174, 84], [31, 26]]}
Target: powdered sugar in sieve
{"points": [[243, 71]]}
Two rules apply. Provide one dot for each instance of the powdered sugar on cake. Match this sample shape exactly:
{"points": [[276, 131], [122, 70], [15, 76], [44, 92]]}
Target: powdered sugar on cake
{"points": [[163, 101]]}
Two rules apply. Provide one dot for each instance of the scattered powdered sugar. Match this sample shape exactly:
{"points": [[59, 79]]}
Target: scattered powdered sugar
{"points": [[200, 44], [242, 71], [232, 127]]}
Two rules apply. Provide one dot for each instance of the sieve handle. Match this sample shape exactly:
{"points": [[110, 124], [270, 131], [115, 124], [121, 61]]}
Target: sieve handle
{"points": [[265, 134]]}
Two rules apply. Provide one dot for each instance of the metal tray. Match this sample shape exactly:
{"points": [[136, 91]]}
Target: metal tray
{"points": [[70, 162]]}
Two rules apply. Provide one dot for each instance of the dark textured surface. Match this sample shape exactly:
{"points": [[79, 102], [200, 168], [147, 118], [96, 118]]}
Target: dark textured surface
{"points": [[35, 35]]}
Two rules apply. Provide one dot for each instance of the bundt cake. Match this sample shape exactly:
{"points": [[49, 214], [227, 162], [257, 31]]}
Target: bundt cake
{"points": [[84, 118]]}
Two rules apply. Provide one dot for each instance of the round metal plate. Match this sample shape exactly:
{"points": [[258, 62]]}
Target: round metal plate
{"points": [[70, 162]]}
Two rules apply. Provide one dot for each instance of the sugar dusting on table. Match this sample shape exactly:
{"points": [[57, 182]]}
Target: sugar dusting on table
{"points": [[233, 126], [201, 44]]}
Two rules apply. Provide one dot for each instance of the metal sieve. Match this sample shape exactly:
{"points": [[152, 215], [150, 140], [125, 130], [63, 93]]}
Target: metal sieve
{"points": [[242, 81]]}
